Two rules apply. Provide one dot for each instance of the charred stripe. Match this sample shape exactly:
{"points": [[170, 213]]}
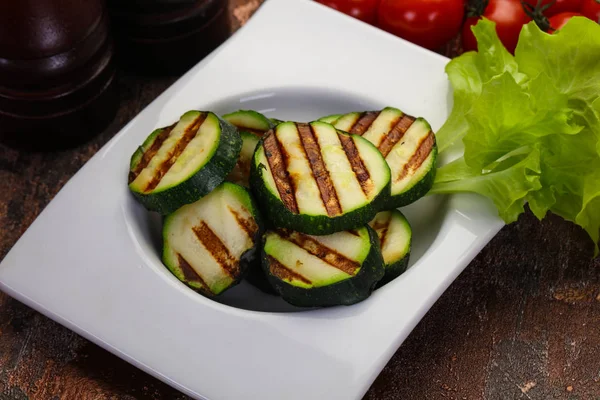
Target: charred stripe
{"points": [[247, 224], [395, 134], [282, 272], [190, 274], [317, 249], [363, 123], [217, 249], [151, 152], [188, 136], [358, 167], [419, 157], [318, 169], [253, 131], [278, 167], [382, 226]]}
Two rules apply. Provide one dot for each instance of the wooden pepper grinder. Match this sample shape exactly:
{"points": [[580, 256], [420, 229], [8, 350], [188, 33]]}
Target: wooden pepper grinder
{"points": [[57, 75], [167, 36]]}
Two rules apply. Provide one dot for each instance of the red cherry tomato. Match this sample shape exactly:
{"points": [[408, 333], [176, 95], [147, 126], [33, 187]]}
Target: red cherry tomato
{"points": [[509, 17], [469, 42], [365, 10], [559, 20], [591, 9], [558, 6], [428, 23]]}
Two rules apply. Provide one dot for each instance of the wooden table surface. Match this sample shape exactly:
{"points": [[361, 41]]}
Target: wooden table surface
{"points": [[521, 322]]}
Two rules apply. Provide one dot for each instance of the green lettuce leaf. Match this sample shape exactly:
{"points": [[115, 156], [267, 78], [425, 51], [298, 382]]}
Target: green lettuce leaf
{"points": [[520, 117], [530, 124], [507, 185], [467, 74]]}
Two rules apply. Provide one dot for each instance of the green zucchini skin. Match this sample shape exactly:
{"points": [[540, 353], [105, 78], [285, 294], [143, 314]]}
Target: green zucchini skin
{"points": [[396, 226], [347, 292], [330, 119], [280, 216], [248, 260], [419, 190], [201, 183], [394, 270]]}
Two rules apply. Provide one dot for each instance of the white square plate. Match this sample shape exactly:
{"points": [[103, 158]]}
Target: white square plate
{"points": [[90, 261]]}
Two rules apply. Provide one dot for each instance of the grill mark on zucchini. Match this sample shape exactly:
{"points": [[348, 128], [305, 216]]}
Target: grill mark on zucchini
{"points": [[318, 249], [364, 122], [419, 156], [151, 152], [253, 131], [190, 274], [358, 167], [382, 226], [319, 170], [354, 232], [217, 249], [189, 134], [284, 273], [395, 134], [278, 166], [247, 224]]}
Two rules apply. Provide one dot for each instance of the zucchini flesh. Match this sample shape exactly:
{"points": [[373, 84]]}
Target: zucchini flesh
{"points": [[251, 126], [180, 164], [314, 179], [210, 244], [408, 145], [240, 174], [395, 238], [320, 271]]}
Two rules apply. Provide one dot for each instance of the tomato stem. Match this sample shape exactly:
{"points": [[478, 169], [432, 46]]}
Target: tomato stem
{"points": [[536, 13], [475, 8]]}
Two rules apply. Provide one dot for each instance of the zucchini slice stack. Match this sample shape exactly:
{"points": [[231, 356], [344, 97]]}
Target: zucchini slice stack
{"points": [[395, 239], [312, 178], [210, 244], [319, 271], [406, 142], [251, 126], [323, 187], [179, 164]]}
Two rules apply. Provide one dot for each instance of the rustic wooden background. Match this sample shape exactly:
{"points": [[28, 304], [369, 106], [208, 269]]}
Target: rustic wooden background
{"points": [[521, 322]]}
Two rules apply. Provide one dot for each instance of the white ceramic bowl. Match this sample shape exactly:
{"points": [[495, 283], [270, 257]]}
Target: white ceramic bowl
{"points": [[91, 259]]}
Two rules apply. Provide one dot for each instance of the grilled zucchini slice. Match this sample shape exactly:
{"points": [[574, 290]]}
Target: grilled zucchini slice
{"points": [[210, 243], [240, 174], [249, 121], [251, 126], [406, 142], [314, 179], [179, 164], [395, 238], [321, 271]]}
